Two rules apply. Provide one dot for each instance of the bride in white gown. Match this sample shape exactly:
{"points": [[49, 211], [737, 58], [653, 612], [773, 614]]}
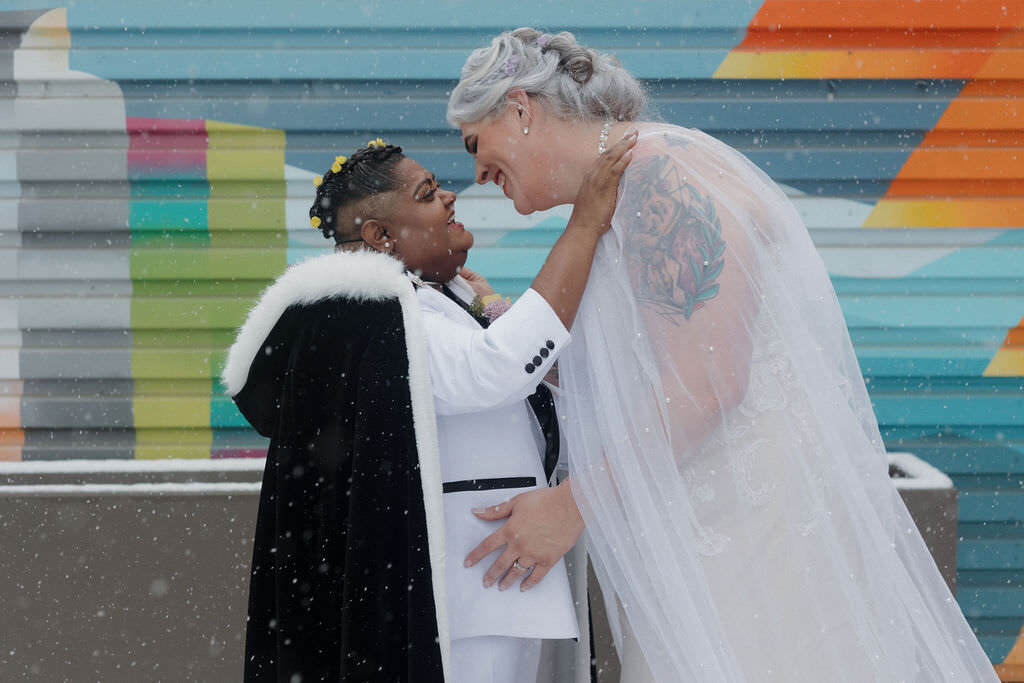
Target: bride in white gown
{"points": [[722, 448]]}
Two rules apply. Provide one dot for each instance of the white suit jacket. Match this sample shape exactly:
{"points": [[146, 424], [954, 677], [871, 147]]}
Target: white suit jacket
{"points": [[491, 449]]}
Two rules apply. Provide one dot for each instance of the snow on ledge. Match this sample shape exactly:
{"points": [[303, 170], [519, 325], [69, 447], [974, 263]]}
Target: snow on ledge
{"points": [[920, 475]]}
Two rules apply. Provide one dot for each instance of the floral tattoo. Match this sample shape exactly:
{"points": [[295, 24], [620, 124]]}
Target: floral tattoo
{"points": [[674, 248]]}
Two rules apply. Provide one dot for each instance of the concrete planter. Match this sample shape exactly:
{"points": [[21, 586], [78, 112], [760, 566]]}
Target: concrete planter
{"points": [[124, 570]]}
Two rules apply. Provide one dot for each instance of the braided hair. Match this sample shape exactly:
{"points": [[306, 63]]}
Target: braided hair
{"points": [[340, 196]]}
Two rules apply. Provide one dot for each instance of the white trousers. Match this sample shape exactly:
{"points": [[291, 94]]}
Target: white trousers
{"points": [[495, 659]]}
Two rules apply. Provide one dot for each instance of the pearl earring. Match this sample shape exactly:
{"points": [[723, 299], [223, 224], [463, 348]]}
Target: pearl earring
{"points": [[387, 245], [526, 130]]}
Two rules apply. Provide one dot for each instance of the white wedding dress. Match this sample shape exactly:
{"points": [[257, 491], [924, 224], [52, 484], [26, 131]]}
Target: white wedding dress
{"points": [[723, 450]]}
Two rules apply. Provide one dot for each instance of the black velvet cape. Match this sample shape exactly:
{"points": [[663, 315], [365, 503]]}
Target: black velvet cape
{"points": [[341, 583]]}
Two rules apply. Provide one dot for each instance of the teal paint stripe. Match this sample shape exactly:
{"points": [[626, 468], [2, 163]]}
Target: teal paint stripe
{"points": [[159, 215], [1004, 276], [501, 263], [921, 409], [914, 361], [224, 439], [934, 311], [990, 554], [1005, 505], [995, 602], [974, 459], [925, 336], [224, 413], [956, 434]]}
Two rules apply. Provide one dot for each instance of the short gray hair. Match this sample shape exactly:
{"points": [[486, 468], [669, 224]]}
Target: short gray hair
{"points": [[573, 81]]}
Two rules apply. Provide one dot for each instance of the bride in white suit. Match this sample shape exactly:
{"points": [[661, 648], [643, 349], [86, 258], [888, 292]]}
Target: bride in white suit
{"points": [[485, 361]]}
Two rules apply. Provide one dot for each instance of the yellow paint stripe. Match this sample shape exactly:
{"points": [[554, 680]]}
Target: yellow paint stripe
{"points": [[873, 63], [946, 213], [153, 444]]}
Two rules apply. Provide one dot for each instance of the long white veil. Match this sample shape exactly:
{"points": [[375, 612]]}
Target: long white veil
{"points": [[723, 449]]}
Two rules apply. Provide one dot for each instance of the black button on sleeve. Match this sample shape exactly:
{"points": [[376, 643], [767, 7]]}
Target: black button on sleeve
{"points": [[544, 353], [530, 367], [537, 360], [550, 344]]}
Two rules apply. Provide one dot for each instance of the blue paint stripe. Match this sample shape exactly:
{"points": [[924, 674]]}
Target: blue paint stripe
{"points": [[347, 37], [438, 16], [385, 63]]}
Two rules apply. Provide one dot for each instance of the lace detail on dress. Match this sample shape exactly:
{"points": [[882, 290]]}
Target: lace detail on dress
{"points": [[700, 489], [741, 458], [708, 541]]}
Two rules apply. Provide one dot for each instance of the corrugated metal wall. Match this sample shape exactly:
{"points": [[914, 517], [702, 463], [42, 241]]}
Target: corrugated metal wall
{"points": [[156, 168]]}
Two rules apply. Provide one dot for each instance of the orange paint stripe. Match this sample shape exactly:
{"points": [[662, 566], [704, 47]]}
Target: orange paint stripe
{"points": [[969, 163], [1004, 63], [939, 189], [994, 88], [867, 63], [883, 14], [12, 437], [990, 113], [11, 442], [834, 39], [1015, 337], [973, 138]]}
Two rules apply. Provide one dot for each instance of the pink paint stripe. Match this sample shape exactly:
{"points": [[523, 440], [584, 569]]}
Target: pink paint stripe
{"points": [[166, 134]]}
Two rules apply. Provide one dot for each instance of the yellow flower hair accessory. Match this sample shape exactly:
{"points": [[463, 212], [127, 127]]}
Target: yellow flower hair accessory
{"points": [[316, 181], [336, 167], [379, 142], [341, 159], [315, 221]]}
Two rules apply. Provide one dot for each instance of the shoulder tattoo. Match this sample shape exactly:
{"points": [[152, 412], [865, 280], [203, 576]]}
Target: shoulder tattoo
{"points": [[673, 245]]}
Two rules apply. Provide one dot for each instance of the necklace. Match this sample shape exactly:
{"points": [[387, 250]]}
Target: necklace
{"points": [[602, 142]]}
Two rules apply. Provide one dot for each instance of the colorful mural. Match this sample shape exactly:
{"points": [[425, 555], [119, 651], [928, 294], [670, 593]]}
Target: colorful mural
{"points": [[159, 165]]}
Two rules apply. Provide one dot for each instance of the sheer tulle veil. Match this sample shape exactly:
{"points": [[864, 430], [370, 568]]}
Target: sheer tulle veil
{"points": [[723, 449]]}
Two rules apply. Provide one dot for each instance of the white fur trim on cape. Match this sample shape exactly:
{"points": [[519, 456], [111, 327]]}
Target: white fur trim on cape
{"points": [[364, 276]]}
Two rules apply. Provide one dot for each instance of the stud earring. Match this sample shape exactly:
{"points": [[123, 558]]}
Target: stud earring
{"points": [[387, 245], [526, 130]]}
